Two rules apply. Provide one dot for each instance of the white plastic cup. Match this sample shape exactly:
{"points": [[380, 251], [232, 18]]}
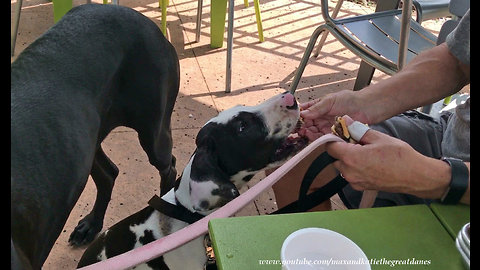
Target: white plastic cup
{"points": [[317, 248]]}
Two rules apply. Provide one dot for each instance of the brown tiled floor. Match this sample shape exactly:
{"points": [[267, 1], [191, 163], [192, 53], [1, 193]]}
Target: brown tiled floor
{"points": [[260, 70]]}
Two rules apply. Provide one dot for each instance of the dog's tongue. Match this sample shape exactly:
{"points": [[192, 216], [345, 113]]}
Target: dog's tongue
{"points": [[289, 100]]}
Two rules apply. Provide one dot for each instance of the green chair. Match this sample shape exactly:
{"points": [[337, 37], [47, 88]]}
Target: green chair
{"points": [[60, 7], [163, 4], [218, 13], [217, 9], [217, 30]]}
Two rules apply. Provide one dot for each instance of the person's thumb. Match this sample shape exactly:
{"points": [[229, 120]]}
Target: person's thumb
{"points": [[361, 132], [371, 136]]}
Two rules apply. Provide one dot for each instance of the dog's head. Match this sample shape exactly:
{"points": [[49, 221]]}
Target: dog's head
{"points": [[235, 145]]}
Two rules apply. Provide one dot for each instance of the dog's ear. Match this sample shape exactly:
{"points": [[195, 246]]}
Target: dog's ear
{"points": [[206, 137], [205, 165], [210, 187]]}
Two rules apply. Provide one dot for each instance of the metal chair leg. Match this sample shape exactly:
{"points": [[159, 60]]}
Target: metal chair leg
{"points": [[18, 9], [404, 33], [199, 20], [325, 34], [427, 109], [228, 77], [306, 56], [364, 76]]}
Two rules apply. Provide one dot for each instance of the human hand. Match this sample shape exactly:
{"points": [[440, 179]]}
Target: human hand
{"points": [[319, 115], [381, 162]]}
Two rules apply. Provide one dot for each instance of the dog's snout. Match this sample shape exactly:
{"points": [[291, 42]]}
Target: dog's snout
{"points": [[229, 192], [235, 193], [289, 101]]}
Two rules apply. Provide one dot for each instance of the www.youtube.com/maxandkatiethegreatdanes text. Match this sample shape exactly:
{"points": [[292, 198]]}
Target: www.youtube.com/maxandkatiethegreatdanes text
{"points": [[331, 261]]}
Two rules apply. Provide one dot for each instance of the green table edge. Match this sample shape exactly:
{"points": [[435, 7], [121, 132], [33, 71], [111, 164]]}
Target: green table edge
{"points": [[452, 217]]}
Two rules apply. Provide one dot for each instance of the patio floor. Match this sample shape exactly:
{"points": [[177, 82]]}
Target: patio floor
{"points": [[260, 70]]}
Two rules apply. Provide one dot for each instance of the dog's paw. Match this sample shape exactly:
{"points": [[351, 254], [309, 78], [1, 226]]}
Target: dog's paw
{"points": [[84, 232]]}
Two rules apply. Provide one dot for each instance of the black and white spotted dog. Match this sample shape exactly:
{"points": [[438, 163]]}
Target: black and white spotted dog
{"points": [[231, 149]]}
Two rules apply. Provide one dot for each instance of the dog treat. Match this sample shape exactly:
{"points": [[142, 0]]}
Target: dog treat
{"points": [[299, 125], [340, 129], [293, 144]]}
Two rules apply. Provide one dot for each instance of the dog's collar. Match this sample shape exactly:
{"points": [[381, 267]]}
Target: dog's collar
{"points": [[174, 210]]}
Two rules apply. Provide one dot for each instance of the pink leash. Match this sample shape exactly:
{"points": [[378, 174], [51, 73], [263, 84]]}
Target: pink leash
{"points": [[165, 244]]}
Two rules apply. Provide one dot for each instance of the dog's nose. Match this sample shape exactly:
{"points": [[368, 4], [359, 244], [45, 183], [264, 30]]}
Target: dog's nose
{"points": [[289, 101], [228, 191]]}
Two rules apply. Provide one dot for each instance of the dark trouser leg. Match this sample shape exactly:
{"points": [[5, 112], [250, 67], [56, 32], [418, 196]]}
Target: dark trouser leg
{"points": [[423, 133]]}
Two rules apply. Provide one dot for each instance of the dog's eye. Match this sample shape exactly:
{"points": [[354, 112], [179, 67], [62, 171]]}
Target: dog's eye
{"points": [[242, 125]]}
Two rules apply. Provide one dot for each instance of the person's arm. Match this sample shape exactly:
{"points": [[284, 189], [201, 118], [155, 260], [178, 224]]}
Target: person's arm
{"points": [[432, 75]]}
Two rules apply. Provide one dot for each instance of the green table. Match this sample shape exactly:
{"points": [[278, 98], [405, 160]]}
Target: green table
{"points": [[384, 234], [453, 217]]}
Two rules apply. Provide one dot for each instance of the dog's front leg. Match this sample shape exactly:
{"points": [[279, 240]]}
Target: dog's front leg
{"points": [[104, 172], [168, 177]]}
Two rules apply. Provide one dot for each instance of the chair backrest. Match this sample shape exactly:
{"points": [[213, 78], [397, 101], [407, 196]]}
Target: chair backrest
{"points": [[431, 9], [459, 7], [406, 16]]}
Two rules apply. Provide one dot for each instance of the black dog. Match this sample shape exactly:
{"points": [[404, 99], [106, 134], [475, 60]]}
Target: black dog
{"points": [[99, 67]]}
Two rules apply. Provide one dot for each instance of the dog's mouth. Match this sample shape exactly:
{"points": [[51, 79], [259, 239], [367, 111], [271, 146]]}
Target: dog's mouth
{"points": [[292, 144]]}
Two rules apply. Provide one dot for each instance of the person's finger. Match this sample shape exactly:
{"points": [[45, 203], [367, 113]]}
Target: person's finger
{"points": [[343, 171], [302, 132], [313, 129], [336, 149], [357, 186], [308, 123], [371, 136], [308, 104], [356, 129], [314, 111], [312, 136]]}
